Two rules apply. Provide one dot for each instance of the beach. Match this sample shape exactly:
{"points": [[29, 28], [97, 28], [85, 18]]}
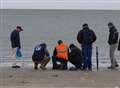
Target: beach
{"points": [[27, 77]]}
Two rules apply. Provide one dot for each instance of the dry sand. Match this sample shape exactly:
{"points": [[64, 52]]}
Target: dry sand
{"points": [[27, 77]]}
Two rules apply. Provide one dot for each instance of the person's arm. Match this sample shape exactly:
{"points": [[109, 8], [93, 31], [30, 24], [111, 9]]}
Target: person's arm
{"points": [[79, 37], [94, 36], [47, 53], [73, 52], [55, 52], [109, 38], [119, 45], [18, 39], [12, 38], [119, 42]]}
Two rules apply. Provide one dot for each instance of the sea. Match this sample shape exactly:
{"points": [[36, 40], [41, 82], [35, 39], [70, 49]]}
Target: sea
{"points": [[49, 26]]}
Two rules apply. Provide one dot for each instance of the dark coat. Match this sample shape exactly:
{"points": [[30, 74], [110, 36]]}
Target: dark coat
{"points": [[75, 56], [119, 45], [40, 51], [15, 39], [113, 36], [86, 36]]}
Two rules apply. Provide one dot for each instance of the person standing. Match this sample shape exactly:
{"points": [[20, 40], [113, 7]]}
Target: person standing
{"points": [[86, 37], [60, 54], [113, 43], [15, 44], [40, 56]]}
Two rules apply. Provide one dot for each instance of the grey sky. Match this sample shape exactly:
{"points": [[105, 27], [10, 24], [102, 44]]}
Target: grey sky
{"points": [[60, 4]]}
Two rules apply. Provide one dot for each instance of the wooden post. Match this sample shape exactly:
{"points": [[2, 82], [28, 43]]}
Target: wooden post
{"points": [[97, 61]]}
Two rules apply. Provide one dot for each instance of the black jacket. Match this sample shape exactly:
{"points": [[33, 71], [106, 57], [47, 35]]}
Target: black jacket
{"points": [[75, 53], [75, 56], [15, 39], [86, 36], [113, 36], [119, 45]]}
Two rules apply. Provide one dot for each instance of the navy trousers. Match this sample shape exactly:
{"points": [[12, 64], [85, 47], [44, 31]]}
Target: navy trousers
{"points": [[87, 55]]}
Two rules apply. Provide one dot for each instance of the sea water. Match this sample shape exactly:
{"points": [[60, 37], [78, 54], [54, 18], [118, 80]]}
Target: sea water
{"points": [[51, 25]]}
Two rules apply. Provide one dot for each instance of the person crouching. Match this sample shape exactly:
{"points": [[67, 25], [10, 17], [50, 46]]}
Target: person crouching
{"points": [[41, 56], [60, 54], [75, 57]]}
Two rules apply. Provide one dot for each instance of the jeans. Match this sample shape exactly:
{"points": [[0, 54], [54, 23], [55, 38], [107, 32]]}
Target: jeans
{"points": [[87, 55]]}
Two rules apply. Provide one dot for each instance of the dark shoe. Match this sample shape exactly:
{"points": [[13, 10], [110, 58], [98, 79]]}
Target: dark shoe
{"points": [[116, 65], [16, 66], [111, 67], [35, 68], [79, 68], [56, 67], [73, 69], [63, 67], [89, 69], [83, 69]]}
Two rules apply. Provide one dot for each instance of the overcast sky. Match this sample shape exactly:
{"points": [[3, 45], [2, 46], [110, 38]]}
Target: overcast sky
{"points": [[60, 4]]}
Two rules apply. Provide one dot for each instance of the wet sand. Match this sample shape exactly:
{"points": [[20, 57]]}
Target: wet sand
{"points": [[27, 77]]}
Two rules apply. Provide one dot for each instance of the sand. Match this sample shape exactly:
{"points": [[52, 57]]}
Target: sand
{"points": [[27, 77]]}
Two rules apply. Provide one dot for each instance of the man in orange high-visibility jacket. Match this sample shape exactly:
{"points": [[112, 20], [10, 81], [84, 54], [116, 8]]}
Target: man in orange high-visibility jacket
{"points": [[60, 54]]}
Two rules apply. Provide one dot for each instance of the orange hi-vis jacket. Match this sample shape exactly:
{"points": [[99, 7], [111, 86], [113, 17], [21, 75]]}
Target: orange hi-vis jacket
{"points": [[62, 51]]}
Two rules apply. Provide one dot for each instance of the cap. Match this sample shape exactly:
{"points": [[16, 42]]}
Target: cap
{"points": [[60, 41], [19, 27], [110, 24], [85, 25]]}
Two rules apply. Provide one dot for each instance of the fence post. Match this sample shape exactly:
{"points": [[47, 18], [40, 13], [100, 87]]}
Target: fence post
{"points": [[97, 61]]}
